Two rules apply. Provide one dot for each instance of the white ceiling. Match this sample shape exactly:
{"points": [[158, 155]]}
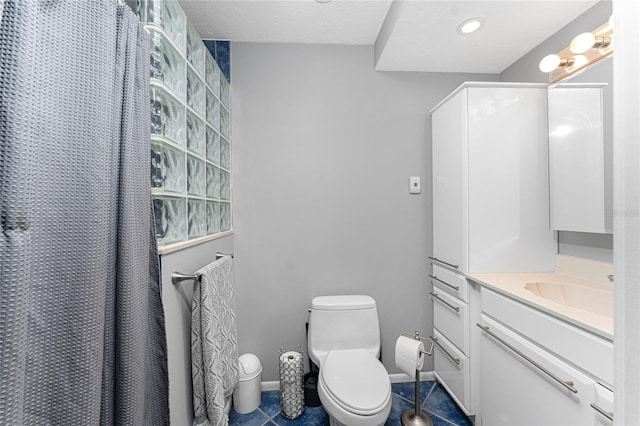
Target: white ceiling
{"points": [[409, 35]]}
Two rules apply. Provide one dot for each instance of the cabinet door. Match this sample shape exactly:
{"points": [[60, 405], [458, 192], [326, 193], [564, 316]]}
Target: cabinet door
{"points": [[576, 159], [449, 131], [515, 392], [508, 181]]}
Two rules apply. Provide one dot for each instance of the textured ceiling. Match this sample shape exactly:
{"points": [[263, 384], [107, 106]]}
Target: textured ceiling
{"points": [[409, 35], [423, 36], [288, 21]]}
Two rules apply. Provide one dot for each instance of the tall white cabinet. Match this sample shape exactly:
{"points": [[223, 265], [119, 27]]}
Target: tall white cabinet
{"points": [[490, 212], [490, 179]]}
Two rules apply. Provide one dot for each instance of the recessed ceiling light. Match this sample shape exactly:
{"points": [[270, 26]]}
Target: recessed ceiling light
{"points": [[323, 1], [470, 25]]}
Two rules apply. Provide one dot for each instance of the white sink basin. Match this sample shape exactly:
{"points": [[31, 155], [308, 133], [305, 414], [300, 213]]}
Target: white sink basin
{"points": [[591, 299]]}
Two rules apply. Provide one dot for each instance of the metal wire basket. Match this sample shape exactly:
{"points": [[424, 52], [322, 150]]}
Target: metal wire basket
{"points": [[291, 383]]}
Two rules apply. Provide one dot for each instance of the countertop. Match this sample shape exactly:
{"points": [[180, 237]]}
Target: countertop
{"points": [[512, 284]]}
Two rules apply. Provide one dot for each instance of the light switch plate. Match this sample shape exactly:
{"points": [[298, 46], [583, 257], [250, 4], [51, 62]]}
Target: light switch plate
{"points": [[414, 185]]}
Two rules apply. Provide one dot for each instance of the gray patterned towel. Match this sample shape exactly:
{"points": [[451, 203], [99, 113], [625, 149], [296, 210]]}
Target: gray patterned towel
{"points": [[214, 342]]}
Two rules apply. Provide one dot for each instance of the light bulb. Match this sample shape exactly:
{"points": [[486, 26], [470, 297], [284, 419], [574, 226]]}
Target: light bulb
{"points": [[469, 26], [611, 22], [549, 63], [579, 61], [582, 42]]}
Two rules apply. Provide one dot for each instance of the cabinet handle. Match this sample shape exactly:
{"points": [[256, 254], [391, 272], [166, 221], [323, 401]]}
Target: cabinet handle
{"points": [[446, 352], [566, 383], [456, 288], [455, 308], [607, 414], [443, 262]]}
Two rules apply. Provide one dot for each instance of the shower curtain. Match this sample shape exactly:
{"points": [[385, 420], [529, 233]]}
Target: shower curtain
{"points": [[82, 337]]}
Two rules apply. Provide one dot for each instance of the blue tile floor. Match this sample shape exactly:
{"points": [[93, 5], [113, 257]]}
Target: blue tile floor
{"points": [[433, 398]]}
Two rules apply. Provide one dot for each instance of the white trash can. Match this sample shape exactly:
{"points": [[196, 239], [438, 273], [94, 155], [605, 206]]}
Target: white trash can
{"points": [[246, 398]]}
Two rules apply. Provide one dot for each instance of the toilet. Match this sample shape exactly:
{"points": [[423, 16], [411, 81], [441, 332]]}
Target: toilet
{"points": [[344, 341]]}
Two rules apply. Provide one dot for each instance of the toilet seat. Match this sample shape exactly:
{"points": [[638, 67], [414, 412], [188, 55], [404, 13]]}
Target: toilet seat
{"points": [[356, 381]]}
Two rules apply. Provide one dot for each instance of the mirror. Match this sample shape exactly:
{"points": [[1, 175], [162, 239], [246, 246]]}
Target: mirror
{"points": [[580, 150]]}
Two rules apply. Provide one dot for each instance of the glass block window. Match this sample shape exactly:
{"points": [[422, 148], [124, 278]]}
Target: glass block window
{"points": [[190, 128]]}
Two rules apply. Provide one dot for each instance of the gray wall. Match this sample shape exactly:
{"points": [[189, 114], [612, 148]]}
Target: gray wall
{"points": [[177, 312], [323, 148], [592, 246]]}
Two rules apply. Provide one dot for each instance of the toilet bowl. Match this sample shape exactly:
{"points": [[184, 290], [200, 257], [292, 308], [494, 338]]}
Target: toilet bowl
{"points": [[354, 388], [344, 341]]}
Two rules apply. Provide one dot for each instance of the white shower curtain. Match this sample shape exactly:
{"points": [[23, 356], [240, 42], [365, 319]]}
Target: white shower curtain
{"points": [[82, 337]]}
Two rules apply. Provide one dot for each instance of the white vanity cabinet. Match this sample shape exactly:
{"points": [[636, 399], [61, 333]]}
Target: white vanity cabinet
{"points": [[539, 370], [531, 386], [490, 211]]}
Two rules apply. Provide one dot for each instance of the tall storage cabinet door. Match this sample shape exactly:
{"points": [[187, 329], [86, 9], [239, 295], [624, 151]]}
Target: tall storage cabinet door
{"points": [[449, 131], [508, 180]]}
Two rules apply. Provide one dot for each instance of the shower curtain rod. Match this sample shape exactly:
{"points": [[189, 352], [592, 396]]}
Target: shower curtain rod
{"points": [[178, 277]]}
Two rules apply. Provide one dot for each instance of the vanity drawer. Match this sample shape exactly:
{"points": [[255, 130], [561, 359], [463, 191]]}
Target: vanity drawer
{"points": [[451, 368], [451, 318], [591, 353], [452, 282]]}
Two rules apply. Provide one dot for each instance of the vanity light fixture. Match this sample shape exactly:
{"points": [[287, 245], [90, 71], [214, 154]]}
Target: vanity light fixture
{"points": [[585, 49], [470, 26]]}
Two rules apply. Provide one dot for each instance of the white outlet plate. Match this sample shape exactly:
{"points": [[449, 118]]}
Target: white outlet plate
{"points": [[414, 185]]}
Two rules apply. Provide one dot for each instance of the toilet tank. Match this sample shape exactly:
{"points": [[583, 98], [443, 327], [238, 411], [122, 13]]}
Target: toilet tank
{"points": [[342, 322]]}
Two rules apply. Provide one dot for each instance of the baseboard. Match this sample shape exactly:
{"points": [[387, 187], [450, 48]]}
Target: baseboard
{"points": [[270, 386], [393, 378]]}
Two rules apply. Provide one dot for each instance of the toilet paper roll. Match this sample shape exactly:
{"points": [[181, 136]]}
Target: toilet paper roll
{"points": [[409, 357], [291, 357], [291, 367]]}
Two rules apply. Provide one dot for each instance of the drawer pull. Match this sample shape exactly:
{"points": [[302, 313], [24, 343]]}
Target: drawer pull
{"points": [[566, 383], [446, 352], [456, 288], [443, 262], [607, 414], [444, 302]]}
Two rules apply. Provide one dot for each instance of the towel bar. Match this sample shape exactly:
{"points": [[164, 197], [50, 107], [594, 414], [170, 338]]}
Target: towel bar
{"points": [[178, 277]]}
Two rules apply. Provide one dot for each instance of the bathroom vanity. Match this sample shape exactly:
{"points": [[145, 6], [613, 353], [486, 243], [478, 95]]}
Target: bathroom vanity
{"points": [[547, 345], [513, 347]]}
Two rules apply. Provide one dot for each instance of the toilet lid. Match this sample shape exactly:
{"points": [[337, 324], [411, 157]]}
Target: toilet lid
{"points": [[356, 380]]}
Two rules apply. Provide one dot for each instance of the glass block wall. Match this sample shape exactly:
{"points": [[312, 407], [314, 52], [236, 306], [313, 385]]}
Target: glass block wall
{"points": [[190, 128]]}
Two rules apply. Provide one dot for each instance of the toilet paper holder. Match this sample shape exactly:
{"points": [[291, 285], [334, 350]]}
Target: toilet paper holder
{"points": [[416, 336], [414, 416]]}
